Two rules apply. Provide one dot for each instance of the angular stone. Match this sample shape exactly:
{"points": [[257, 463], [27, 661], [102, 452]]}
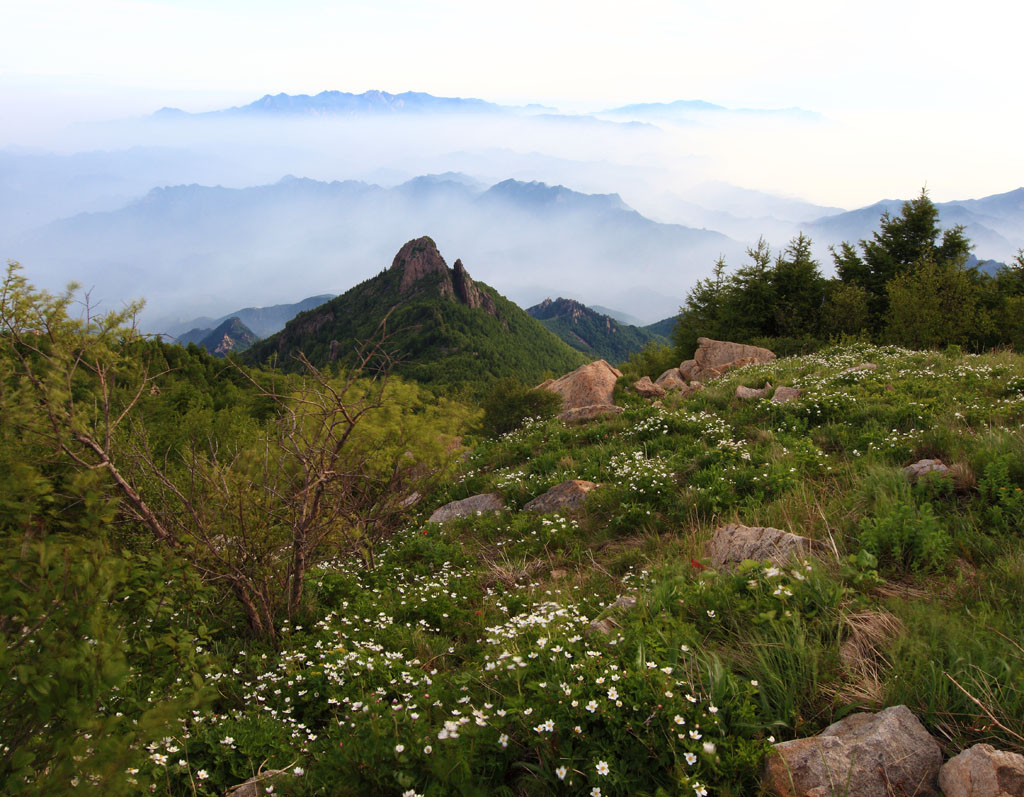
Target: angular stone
{"points": [[565, 496], [588, 386], [923, 466], [753, 392], [589, 413], [983, 771], [784, 394], [646, 388], [888, 754], [474, 505], [670, 380], [731, 544]]}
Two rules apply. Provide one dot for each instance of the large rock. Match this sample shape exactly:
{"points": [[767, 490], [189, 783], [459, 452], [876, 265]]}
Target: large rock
{"points": [[590, 385], [670, 380], [889, 754], [714, 358], [983, 771], [646, 388], [565, 496], [731, 544], [474, 505]]}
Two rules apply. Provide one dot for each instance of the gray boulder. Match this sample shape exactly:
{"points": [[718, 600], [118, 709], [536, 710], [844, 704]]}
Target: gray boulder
{"points": [[474, 505], [731, 544], [983, 771], [888, 754]]}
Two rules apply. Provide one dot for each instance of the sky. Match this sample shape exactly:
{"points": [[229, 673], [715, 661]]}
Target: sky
{"points": [[926, 89]]}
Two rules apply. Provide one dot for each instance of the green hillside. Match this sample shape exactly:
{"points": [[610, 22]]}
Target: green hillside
{"points": [[442, 327], [590, 332]]}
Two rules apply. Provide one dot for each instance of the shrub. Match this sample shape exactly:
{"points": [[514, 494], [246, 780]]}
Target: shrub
{"points": [[906, 536], [511, 402]]}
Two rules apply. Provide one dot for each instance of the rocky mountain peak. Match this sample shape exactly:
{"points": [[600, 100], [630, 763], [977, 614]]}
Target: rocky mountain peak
{"points": [[468, 293], [419, 258]]}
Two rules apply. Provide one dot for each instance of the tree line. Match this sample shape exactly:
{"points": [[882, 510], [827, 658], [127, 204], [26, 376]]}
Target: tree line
{"points": [[910, 284]]}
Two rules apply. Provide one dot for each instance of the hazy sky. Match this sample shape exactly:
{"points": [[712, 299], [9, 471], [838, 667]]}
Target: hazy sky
{"points": [[931, 87]]}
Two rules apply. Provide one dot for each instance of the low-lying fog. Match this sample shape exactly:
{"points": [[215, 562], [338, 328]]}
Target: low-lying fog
{"points": [[80, 204]]}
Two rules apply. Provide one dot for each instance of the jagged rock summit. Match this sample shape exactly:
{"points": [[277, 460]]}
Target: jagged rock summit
{"points": [[425, 321], [420, 259]]}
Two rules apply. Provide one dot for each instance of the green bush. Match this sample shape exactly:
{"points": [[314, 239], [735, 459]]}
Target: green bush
{"points": [[510, 403], [906, 536]]}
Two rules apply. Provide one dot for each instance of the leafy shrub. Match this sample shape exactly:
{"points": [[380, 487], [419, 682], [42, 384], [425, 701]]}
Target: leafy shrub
{"points": [[511, 402], [907, 536]]}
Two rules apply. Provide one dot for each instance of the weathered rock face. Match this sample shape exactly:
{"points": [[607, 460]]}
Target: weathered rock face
{"points": [[753, 392], [646, 388], [889, 754], [784, 394], [589, 386], [731, 544], [468, 293], [923, 466], [983, 771], [714, 358], [419, 258], [474, 505], [565, 496]]}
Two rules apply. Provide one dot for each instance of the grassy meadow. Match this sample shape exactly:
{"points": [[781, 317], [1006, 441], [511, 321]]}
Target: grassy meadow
{"points": [[464, 658]]}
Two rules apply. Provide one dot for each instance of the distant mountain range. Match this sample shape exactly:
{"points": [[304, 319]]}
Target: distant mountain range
{"points": [[260, 321], [265, 244], [229, 337], [597, 335], [443, 327], [342, 103], [687, 110], [995, 224]]}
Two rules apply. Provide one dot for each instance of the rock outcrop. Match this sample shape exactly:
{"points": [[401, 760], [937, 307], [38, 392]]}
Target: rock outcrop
{"points": [[734, 543], [474, 505], [648, 389], [714, 358], [586, 392], [468, 293], [983, 771], [418, 259], [568, 495], [888, 754]]}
